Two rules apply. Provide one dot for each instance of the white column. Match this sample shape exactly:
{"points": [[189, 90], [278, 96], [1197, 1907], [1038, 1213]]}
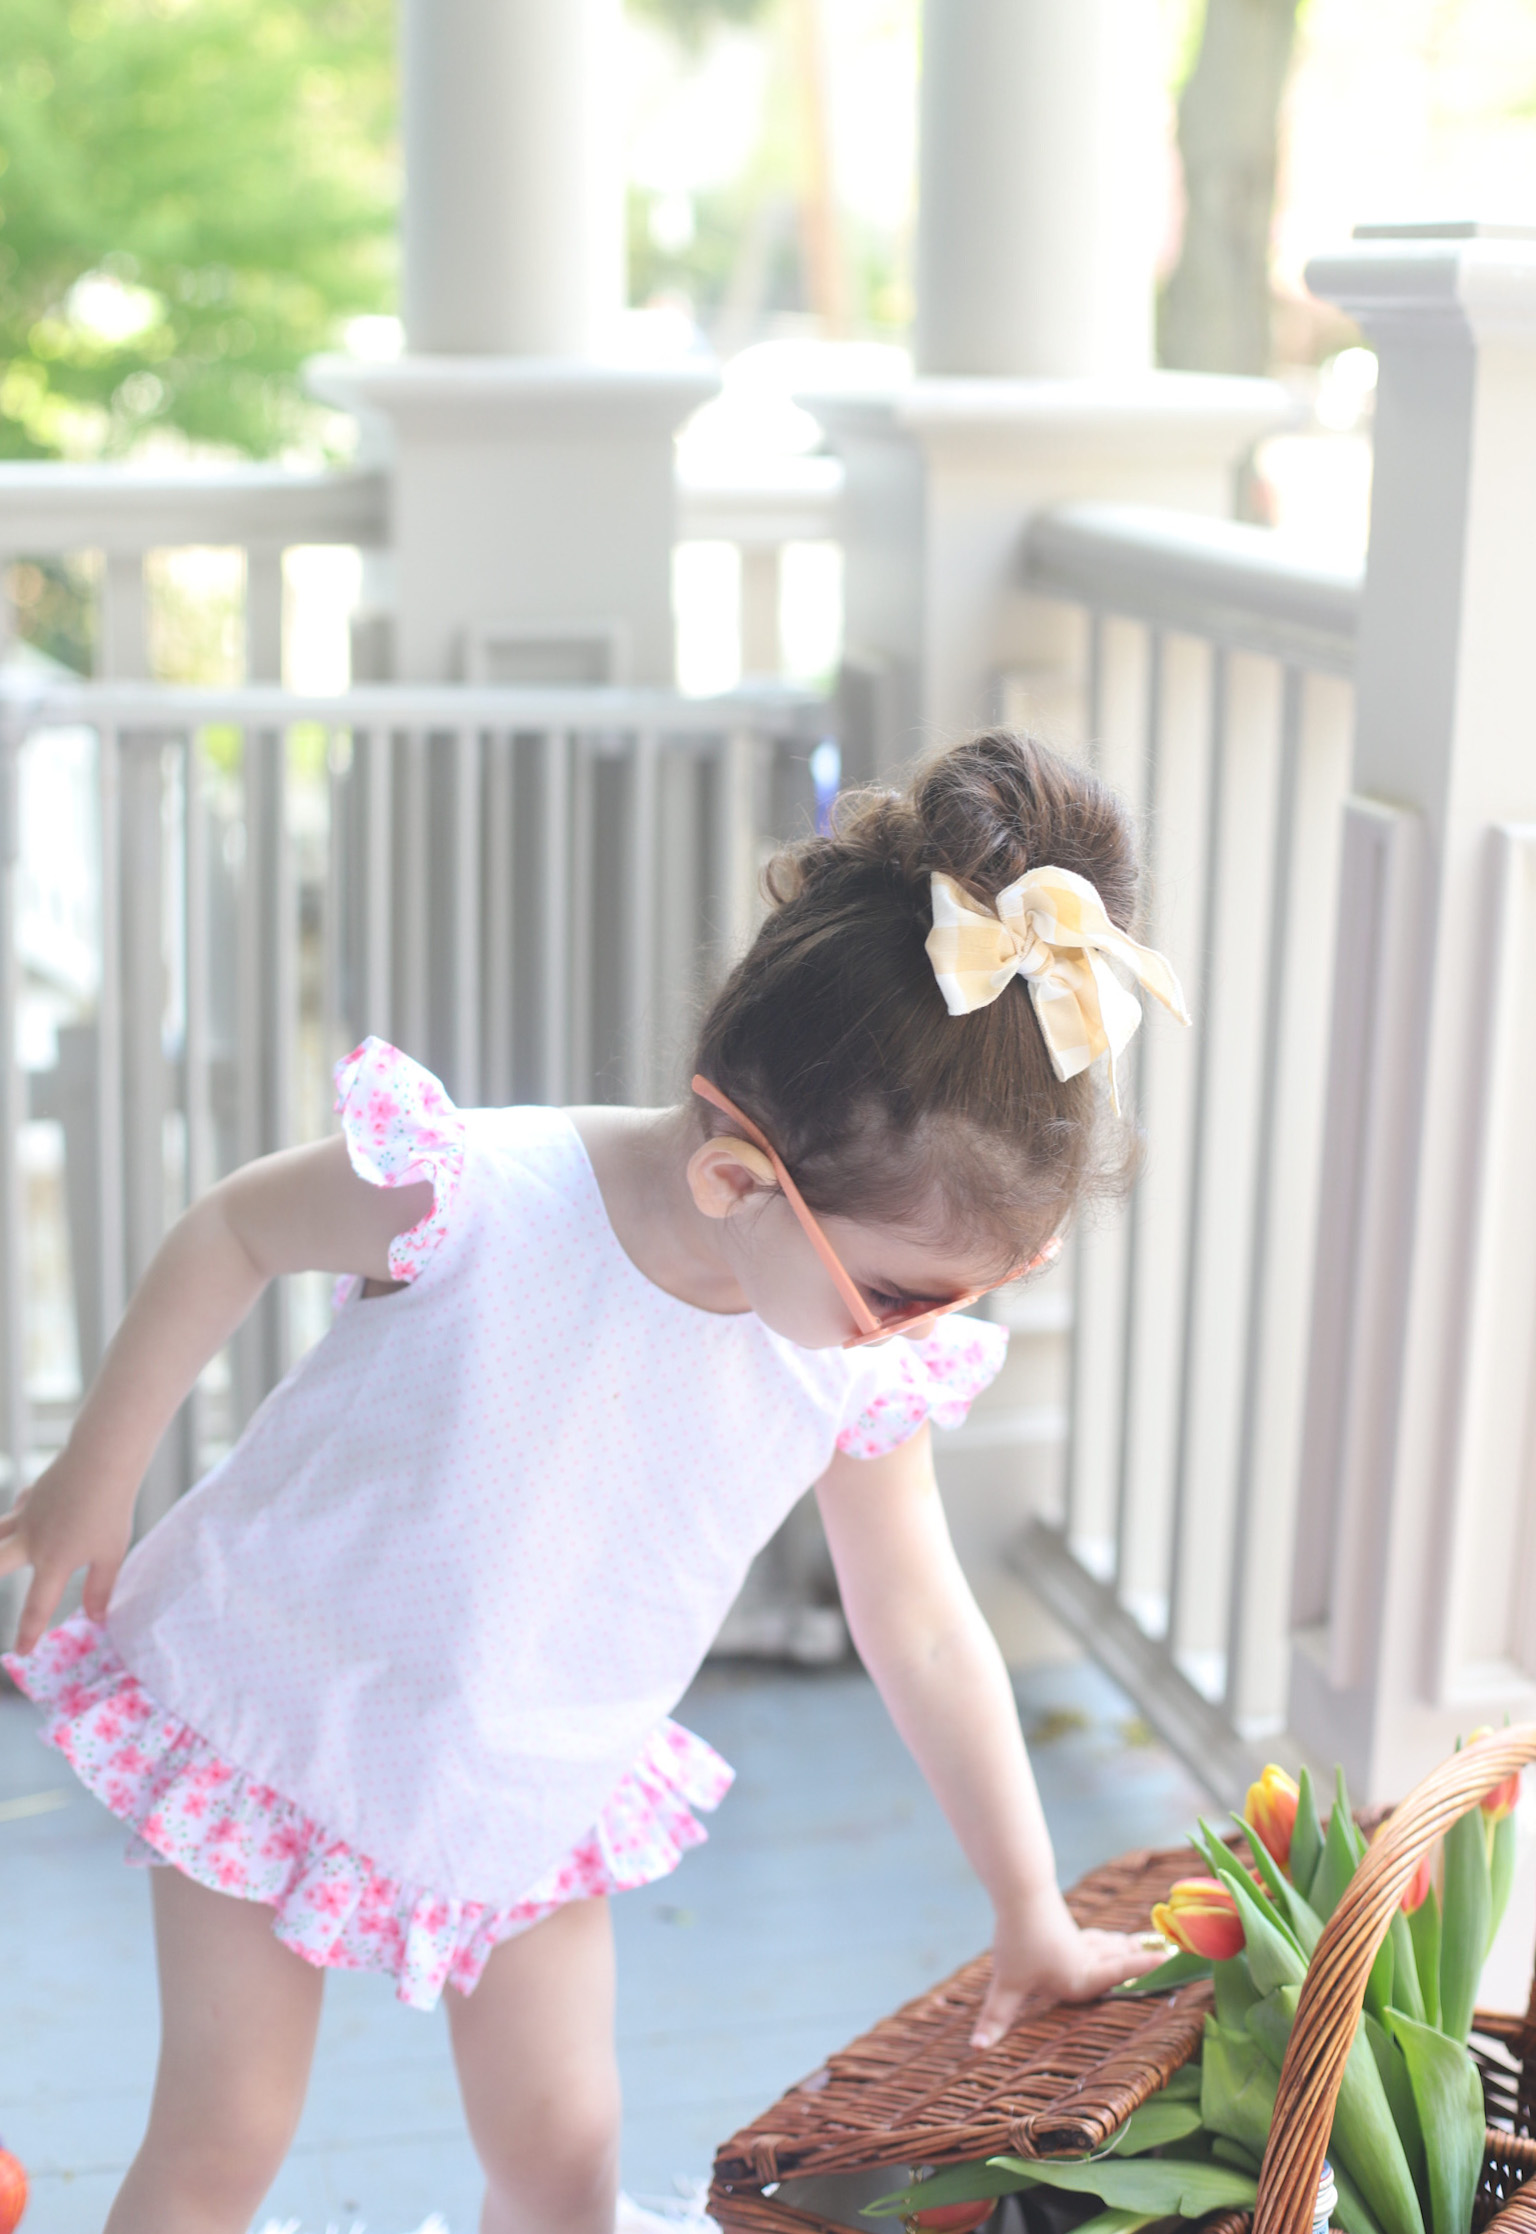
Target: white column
{"points": [[513, 237], [1040, 204], [1040, 183], [1415, 1606]]}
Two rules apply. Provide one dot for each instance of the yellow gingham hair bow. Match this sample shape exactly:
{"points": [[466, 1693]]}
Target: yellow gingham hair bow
{"points": [[1051, 929]]}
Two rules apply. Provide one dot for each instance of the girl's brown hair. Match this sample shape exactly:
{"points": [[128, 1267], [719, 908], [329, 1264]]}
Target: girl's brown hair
{"points": [[832, 1032]]}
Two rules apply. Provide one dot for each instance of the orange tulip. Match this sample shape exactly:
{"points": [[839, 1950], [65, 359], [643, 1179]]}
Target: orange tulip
{"points": [[1416, 1892], [1201, 1916], [13, 2192], [1270, 1812], [1502, 1800]]}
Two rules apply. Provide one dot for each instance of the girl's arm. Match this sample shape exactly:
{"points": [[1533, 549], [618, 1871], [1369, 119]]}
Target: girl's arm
{"points": [[305, 1210], [922, 1637]]}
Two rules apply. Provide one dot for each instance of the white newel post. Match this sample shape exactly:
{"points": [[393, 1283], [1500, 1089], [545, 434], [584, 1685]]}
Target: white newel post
{"points": [[532, 479], [1039, 203], [1415, 1592]]}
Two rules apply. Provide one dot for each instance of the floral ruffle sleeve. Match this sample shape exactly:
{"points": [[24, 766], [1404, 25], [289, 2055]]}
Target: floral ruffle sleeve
{"points": [[900, 1384], [400, 1126]]}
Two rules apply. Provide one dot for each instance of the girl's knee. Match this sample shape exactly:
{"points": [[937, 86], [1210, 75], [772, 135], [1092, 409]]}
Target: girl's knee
{"points": [[558, 2163]]}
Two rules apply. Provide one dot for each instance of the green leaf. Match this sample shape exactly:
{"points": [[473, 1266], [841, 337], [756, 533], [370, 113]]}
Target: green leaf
{"points": [[1300, 1919], [1181, 1969], [1365, 2136], [1407, 1994], [1354, 2213], [1233, 2153], [1501, 1870], [1194, 2148], [1378, 1987], [1405, 2116], [1154, 2125], [1424, 1930], [1337, 1866], [1116, 2222], [1231, 1871], [1274, 1959], [1355, 1834], [957, 2183], [1184, 2086], [1235, 1990], [1464, 1918], [1145, 2184], [1237, 2094], [1269, 2023], [1449, 2097], [1306, 1838]]}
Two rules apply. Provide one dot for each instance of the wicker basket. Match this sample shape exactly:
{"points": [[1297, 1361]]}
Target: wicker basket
{"points": [[913, 2091]]}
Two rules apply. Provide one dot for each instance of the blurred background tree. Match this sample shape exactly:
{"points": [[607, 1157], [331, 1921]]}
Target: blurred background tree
{"points": [[779, 240], [1215, 314], [195, 195]]}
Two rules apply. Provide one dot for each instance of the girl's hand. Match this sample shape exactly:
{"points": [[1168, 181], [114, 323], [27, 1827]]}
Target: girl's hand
{"points": [[67, 1520], [1042, 1954]]}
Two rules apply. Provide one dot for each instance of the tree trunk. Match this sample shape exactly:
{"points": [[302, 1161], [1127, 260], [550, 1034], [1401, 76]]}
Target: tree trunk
{"points": [[821, 230], [1215, 311]]}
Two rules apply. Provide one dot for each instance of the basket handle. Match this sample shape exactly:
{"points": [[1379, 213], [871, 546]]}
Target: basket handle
{"points": [[1334, 1990]]}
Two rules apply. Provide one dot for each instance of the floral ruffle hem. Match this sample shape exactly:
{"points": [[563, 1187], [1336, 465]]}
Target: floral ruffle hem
{"points": [[331, 1905]]}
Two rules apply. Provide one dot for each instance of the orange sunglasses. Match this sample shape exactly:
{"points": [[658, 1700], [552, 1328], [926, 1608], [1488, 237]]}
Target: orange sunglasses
{"points": [[872, 1328]]}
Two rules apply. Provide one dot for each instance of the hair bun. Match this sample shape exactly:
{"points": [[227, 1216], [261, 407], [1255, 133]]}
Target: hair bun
{"points": [[1000, 805]]}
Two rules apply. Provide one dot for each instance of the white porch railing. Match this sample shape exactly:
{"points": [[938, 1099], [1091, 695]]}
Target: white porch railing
{"points": [[1214, 686], [59, 510], [530, 890], [55, 511]]}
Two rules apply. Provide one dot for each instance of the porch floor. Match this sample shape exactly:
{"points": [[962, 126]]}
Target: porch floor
{"points": [[831, 1890]]}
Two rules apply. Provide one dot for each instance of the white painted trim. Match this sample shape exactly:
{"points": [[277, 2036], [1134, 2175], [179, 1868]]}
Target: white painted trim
{"points": [[1486, 1595], [1352, 1378]]}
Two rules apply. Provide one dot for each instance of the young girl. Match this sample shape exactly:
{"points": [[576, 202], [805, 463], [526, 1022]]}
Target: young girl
{"points": [[390, 1688]]}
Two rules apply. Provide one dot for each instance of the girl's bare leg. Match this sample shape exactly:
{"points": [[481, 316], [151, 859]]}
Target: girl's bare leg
{"points": [[534, 2048], [238, 2016]]}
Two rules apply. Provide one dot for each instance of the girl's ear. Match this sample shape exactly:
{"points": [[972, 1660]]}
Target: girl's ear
{"points": [[725, 1173]]}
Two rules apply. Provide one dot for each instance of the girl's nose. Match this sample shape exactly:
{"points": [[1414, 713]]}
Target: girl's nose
{"points": [[920, 1328]]}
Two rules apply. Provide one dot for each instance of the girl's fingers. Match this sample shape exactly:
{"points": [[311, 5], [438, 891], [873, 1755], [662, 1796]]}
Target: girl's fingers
{"points": [[1117, 1956], [99, 1579], [998, 2011], [1139, 1951], [38, 1611]]}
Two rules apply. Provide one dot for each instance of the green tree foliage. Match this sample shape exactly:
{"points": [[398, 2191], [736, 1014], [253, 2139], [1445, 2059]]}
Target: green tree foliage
{"points": [[194, 196], [691, 21]]}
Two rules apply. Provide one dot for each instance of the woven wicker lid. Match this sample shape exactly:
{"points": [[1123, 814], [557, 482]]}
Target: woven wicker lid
{"points": [[913, 2091]]}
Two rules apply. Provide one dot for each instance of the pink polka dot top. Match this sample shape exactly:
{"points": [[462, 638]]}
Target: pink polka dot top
{"points": [[435, 1606]]}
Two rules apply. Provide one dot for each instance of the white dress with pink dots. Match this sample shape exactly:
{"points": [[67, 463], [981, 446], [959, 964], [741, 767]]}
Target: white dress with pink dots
{"points": [[401, 1666]]}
